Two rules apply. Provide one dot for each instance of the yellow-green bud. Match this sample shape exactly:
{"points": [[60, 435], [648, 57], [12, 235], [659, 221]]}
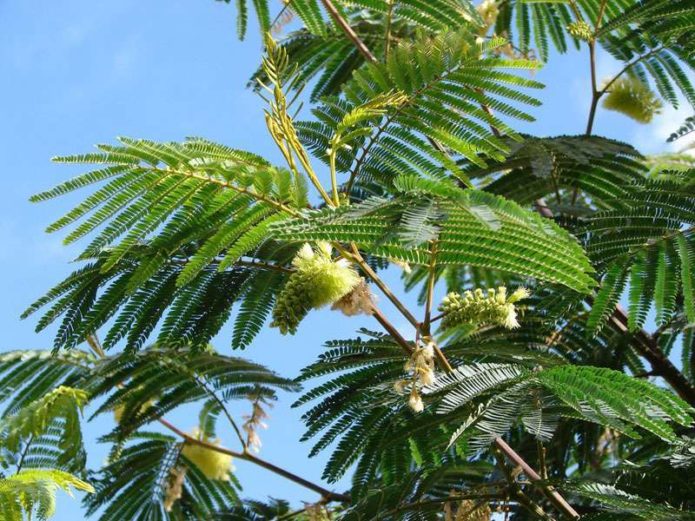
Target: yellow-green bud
{"points": [[581, 30], [479, 308]]}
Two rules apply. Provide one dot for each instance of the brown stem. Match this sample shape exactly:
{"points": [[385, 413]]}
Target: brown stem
{"points": [[647, 346], [379, 316], [95, 345], [515, 490], [24, 453], [357, 257], [595, 95], [349, 32], [553, 495], [247, 456]]}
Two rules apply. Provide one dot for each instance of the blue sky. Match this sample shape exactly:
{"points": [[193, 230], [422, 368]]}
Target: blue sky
{"points": [[78, 72]]}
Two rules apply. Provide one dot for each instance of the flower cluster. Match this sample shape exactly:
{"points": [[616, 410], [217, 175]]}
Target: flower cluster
{"points": [[466, 510], [633, 98], [581, 30], [421, 366], [479, 308], [319, 280], [489, 12], [174, 489], [213, 464]]}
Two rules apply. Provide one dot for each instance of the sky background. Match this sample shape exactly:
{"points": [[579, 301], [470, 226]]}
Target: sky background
{"points": [[76, 72]]}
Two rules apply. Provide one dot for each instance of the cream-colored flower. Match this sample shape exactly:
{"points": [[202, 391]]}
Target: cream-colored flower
{"points": [[213, 464], [175, 487], [319, 280], [415, 401]]}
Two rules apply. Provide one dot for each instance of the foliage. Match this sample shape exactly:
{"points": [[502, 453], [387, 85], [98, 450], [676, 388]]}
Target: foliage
{"points": [[33, 491], [410, 159]]}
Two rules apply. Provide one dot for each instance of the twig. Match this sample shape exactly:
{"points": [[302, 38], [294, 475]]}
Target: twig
{"points": [[247, 456], [95, 345], [24, 453], [516, 490], [349, 32], [379, 316], [552, 494]]}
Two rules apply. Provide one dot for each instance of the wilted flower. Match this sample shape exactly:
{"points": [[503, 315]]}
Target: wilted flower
{"points": [[415, 400], [489, 12], [175, 487], [254, 421], [359, 301]]}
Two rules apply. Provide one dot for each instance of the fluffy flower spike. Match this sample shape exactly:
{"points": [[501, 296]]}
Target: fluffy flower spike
{"points": [[213, 464], [319, 280], [633, 98], [478, 308]]}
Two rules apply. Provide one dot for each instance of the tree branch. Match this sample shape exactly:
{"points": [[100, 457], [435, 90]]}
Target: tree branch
{"points": [[247, 456], [348, 30], [95, 345], [552, 494]]}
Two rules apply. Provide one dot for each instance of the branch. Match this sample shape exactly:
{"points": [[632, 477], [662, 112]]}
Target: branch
{"points": [[379, 316], [516, 490], [349, 32], [552, 494], [247, 456], [220, 403], [356, 256], [95, 345], [647, 346], [628, 67]]}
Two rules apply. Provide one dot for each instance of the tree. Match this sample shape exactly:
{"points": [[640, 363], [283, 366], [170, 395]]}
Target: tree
{"points": [[528, 390]]}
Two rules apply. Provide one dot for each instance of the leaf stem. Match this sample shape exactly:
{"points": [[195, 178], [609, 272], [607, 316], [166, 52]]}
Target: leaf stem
{"points": [[95, 345], [348, 30], [247, 456], [552, 494]]}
